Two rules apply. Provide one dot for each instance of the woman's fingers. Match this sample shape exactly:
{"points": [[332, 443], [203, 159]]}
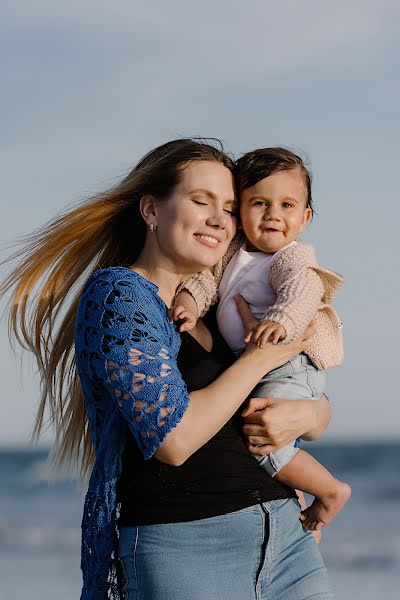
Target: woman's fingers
{"points": [[248, 319], [253, 429], [258, 440], [261, 450], [254, 405]]}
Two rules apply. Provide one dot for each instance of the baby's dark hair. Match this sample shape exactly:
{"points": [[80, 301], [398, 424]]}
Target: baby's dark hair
{"points": [[263, 162]]}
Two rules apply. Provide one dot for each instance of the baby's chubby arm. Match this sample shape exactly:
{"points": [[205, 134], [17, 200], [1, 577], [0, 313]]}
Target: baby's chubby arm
{"points": [[184, 309], [290, 315], [203, 286], [299, 283], [297, 303]]}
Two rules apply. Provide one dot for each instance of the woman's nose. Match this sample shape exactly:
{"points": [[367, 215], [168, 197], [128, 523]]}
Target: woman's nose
{"points": [[217, 219]]}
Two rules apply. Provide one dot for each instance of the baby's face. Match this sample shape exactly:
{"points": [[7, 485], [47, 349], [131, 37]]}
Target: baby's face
{"points": [[274, 211]]}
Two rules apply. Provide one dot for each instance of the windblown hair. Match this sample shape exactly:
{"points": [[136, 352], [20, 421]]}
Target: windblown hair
{"points": [[254, 166], [53, 265]]}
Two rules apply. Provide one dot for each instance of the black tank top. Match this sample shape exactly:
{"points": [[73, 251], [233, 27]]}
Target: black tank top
{"points": [[219, 478]]}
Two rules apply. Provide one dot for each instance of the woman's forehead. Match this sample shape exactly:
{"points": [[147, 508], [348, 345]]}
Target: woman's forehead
{"points": [[209, 177]]}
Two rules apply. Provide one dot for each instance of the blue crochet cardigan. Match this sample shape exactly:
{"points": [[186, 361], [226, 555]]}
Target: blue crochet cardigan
{"points": [[126, 352]]}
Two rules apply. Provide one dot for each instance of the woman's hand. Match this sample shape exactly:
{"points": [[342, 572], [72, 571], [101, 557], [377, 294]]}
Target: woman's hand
{"points": [[271, 423], [275, 355]]}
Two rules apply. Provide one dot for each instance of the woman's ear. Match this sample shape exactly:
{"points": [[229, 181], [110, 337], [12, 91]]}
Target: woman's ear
{"points": [[147, 206]]}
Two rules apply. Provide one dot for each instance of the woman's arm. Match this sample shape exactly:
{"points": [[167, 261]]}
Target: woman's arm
{"points": [[127, 349], [211, 407]]}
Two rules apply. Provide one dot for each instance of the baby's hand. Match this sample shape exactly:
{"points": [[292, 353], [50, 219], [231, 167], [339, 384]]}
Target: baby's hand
{"points": [[184, 309], [266, 331]]}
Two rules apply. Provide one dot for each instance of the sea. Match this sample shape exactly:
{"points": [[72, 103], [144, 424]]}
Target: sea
{"points": [[40, 515]]}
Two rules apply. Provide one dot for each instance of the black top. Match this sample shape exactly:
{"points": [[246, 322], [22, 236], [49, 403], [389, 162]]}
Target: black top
{"points": [[220, 477]]}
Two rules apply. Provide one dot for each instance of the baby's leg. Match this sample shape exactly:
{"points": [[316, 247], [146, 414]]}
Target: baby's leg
{"points": [[300, 380], [305, 473]]}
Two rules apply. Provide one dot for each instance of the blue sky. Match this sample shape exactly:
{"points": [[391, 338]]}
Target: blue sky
{"points": [[89, 87]]}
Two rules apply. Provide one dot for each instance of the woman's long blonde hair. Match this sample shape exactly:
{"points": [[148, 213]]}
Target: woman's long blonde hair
{"points": [[52, 267]]}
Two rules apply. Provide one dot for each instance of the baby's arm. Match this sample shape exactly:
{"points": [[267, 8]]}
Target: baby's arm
{"points": [[196, 294], [184, 309], [297, 303], [301, 287]]}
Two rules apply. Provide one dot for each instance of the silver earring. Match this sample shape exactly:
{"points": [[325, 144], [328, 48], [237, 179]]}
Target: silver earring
{"points": [[153, 227]]}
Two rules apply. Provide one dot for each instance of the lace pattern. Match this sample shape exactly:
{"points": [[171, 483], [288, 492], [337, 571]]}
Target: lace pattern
{"points": [[126, 353]]}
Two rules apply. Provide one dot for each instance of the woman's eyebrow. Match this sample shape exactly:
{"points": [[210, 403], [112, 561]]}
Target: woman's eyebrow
{"points": [[211, 195], [204, 192]]}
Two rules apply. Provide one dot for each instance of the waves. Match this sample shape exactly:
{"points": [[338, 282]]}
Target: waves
{"points": [[41, 512], [39, 538]]}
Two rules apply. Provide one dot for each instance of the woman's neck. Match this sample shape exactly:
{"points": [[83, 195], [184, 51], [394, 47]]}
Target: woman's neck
{"points": [[166, 280]]}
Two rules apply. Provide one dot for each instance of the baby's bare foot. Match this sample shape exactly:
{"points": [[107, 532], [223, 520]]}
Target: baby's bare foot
{"points": [[326, 507]]}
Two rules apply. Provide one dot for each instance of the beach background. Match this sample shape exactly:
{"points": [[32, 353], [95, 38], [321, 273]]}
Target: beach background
{"points": [[40, 535], [87, 89]]}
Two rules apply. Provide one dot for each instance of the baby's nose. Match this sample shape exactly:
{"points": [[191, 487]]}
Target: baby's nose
{"points": [[272, 212]]}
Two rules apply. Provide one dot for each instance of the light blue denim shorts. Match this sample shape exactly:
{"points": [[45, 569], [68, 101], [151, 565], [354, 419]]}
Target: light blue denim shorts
{"points": [[298, 379], [257, 553]]}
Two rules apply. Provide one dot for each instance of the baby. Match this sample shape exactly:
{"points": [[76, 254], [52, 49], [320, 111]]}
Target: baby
{"points": [[286, 289]]}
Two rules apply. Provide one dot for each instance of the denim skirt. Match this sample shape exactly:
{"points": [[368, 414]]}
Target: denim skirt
{"points": [[258, 553]]}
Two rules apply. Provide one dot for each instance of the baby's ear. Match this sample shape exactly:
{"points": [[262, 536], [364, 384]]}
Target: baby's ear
{"points": [[306, 218]]}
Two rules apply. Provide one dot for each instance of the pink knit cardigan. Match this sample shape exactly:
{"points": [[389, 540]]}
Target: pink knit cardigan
{"points": [[303, 291]]}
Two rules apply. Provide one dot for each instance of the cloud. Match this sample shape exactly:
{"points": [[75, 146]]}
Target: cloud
{"points": [[223, 40]]}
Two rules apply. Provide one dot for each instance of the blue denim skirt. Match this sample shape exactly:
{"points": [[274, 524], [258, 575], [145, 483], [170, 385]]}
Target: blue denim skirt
{"points": [[257, 553]]}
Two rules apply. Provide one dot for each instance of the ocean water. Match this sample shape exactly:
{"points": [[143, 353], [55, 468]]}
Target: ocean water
{"points": [[40, 525]]}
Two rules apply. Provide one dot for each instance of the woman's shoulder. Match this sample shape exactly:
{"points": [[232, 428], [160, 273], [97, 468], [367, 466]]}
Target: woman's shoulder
{"points": [[106, 285], [118, 293], [123, 275]]}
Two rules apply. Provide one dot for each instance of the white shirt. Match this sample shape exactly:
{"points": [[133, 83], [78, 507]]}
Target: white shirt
{"points": [[247, 274]]}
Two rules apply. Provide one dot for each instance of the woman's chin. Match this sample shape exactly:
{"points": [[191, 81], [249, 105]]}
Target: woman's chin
{"points": [[206, 258]]}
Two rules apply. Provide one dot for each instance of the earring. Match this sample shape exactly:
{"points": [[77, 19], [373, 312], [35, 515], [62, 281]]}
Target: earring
{"points": [[152, 227]]}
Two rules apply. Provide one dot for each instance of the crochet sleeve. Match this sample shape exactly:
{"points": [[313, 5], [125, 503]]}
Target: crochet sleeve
{"points": [[204, 285], [297, 303], [133, 351]]}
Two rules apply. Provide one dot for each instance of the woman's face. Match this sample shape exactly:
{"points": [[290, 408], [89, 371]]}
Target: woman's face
{"points": [[196, 224]]}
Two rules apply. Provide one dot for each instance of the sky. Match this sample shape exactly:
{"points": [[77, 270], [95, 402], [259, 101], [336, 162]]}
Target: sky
{"points": [[89, 87]]}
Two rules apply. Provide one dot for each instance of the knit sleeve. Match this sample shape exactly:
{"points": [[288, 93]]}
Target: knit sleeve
{"points": [[301, 286], [297, 303], [131, 351], [204, 285]]}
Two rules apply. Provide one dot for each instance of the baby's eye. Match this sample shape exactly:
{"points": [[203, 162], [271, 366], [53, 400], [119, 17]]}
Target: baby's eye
{"points": [[260, 203], [287, 205]]}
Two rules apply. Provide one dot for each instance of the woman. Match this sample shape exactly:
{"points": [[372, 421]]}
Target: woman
{"points": [[158, 443]]}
